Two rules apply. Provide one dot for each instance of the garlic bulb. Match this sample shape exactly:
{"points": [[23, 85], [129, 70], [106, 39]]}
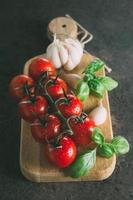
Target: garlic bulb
{"points": [[57, 53], [67, 53], [98, 114], [71, 79]]}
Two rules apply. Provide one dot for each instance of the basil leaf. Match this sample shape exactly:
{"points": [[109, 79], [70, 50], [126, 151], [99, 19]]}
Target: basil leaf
{"points": [[88, 77], [82, 164], [108, 82], [120, 145], [96, 87], [106, 150], [82, 90], [97, 136], [94, 66]]}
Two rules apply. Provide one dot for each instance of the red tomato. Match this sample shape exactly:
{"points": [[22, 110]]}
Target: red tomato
{"points": [[47, 129], [70, 106], [31, 109], [62, 155], [56, 87], [82, 130], [40, 65], [17, 86]]}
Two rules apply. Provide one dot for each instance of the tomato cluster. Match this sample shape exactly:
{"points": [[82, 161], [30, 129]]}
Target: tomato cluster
{"points": [[55, 114]]}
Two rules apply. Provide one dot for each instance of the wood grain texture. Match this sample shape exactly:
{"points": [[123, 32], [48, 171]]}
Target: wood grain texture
{"points": [[32, 161], [63, 27]]}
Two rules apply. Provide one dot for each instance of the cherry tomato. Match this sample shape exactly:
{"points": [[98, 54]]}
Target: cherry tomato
{"points": [[47, 129], [55, 88], [70, 106], [62, 155], [40, 65], [82, 129], [31, 109], [17, 87]]}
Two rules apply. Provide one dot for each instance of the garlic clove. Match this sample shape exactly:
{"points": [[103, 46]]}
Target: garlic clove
{"points": [[73, 59], [76, 44], [63, 54], [53, 54], [75, 51], [71, 79], [98, 114]]}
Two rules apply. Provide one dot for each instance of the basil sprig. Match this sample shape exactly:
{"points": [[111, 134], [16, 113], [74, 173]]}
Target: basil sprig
{"points": [[92, 84], [83, 164], [86, 160], [118, 145]]}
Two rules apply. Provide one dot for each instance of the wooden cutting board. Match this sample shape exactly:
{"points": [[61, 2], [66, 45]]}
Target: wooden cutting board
{"points": [[32, 161]]}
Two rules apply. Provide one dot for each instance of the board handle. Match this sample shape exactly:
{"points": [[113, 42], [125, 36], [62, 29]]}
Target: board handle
{"points": [[62, 27], [68, 27]]}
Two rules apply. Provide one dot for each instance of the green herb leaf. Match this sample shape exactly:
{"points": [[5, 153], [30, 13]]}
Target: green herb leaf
{"points": [[82, 90], [96, 87], [82, 164], [108, 82], [120, 145], [94, 66], [106, 150], [97, 136], [88, 77]]}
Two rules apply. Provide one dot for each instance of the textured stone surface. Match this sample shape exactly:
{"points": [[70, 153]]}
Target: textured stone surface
{"points": [[23, 35]]}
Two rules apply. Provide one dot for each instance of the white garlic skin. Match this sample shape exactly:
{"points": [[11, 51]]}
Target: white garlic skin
{"points": [[57, 53], [75, 52], [67, 53], [98, 115]]}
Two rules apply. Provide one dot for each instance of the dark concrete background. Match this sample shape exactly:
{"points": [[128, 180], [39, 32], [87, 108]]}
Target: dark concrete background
{"points": [[23, 35]]}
